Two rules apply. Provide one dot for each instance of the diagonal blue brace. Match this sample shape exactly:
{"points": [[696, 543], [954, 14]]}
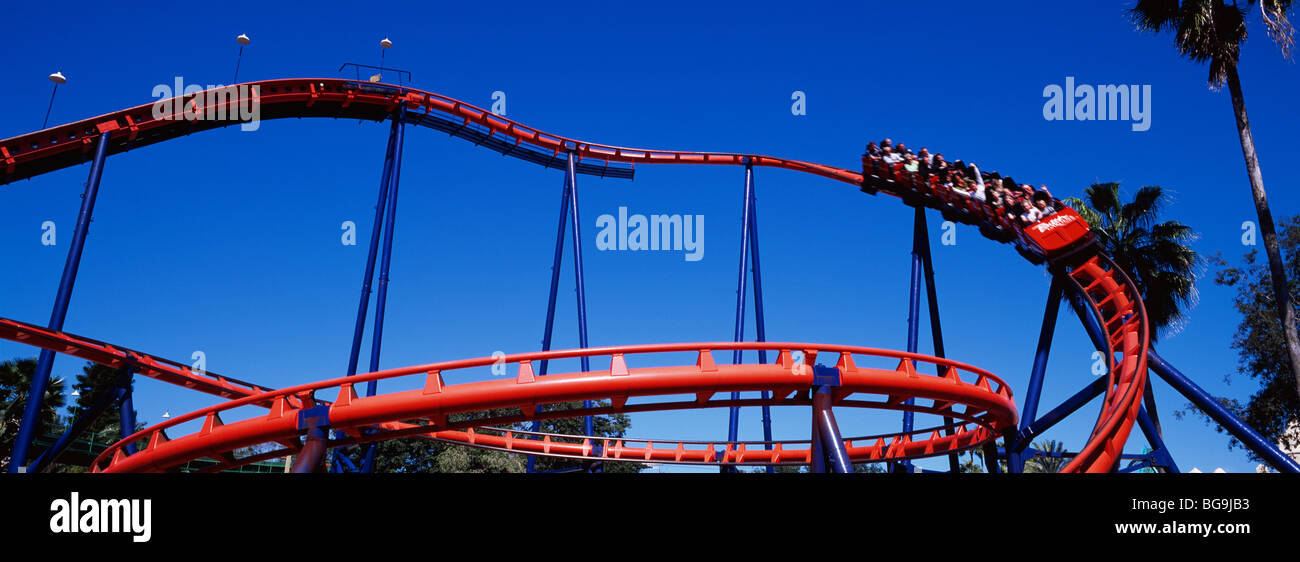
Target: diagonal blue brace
{"points": [[1027, 433], [1227, 420], [1016, 461], [41, 378], [1160, 458]]}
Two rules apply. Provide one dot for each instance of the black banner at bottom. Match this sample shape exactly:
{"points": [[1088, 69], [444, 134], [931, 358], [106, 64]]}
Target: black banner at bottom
{"points": [[494, 514]]}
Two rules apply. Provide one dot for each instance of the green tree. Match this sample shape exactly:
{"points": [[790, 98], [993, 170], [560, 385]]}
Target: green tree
{"points": [[1259, 341], [1154, 254], [93, 381], [1213, 31], [15, 380]]}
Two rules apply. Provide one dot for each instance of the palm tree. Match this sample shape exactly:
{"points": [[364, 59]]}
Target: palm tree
{"points": [[15, 379], [1049, 464], [1154, 254], [1212, 31]]}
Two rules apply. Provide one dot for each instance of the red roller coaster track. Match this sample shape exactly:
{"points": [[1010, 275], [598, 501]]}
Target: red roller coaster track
{"points": [[986, 405]]}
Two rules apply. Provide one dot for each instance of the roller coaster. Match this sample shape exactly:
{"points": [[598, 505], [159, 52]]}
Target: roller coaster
{"points": [[977, 407]]}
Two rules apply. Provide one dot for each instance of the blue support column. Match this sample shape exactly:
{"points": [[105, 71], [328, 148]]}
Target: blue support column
{"points": [[1159, 451], [376, 232], [41, 378], [1069, 406], [836, 458], [936, 328], [818, 449], [550, 302], [761, 326], [315, 421], [578, 279], [1016, 461], [126, 410], [1226, 419], [913, 316], [381, 299], [733, 420]]}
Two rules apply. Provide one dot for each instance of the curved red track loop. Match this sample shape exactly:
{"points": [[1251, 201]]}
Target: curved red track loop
{"points": [[966, 393], [921, 442], [1114, 300], [62, 146]]}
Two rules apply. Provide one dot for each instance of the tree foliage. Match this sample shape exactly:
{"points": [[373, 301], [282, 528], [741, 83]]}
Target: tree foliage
{"points": [[1212, 31], [1155, 254], [1259, 341], [15, 380], [1046, 464]]}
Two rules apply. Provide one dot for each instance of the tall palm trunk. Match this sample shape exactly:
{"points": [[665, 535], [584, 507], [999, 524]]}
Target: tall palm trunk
{"points": [[1281, 291]]}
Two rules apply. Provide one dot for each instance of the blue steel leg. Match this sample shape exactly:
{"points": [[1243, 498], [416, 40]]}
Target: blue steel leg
{"points": [[818, 448], [550, 302], [758, 302], [381, 300], [1027, 433], [315, 443], [913, 314], [126, 411], [1016, 461], [376, 232], [936, 328], [1226, 419], [733, 420], [570, 172], [41, 378], [832, 444], [1159, 451]]}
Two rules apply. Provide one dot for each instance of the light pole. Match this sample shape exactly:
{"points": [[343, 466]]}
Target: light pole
{"points": [[385, 43], [57, 78], [243, 41]]}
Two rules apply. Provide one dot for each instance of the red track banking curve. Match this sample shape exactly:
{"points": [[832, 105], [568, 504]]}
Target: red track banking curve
{"points": [[987, 406]]}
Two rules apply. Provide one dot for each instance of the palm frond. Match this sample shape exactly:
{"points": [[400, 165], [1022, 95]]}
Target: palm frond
{"points": [[1280, 30], [1155, 15]]}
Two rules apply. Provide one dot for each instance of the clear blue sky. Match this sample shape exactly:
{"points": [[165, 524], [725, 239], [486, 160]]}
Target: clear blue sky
{"points": [[228, 242]]}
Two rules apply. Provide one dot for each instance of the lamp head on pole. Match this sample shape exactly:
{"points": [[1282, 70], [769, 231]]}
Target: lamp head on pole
{"points": [[243, 40], [385, 43], [58, 77]]}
